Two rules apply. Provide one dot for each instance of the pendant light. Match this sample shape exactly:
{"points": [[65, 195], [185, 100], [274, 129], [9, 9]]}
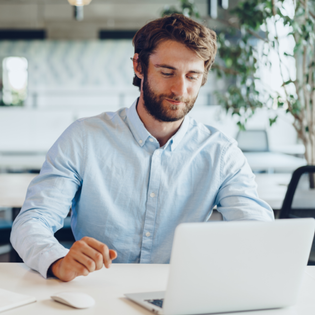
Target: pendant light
{"points": [[78, 8]]}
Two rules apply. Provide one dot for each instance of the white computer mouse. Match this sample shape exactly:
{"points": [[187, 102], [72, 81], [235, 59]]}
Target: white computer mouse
{"points": [[74, 299]]}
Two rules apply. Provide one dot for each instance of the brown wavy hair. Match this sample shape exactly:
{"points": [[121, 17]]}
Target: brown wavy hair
{"points": [[178, 28]]}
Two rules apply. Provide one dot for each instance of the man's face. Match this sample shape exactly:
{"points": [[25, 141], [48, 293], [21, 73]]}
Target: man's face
{"points": [[172, 82]]}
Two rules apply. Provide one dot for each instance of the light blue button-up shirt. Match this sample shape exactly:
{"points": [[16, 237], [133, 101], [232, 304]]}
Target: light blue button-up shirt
{"points": [[130, 193]]}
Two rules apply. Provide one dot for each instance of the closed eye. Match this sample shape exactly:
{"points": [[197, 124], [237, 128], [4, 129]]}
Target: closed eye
{"points": [[167, 74], [192, 78]]}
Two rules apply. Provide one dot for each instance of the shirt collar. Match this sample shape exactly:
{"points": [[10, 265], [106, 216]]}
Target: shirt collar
{"points": [[141, 134], [179, 135]]}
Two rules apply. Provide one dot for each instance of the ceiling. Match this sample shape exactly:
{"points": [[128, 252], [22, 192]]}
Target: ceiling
{"points": [[56, 16]]}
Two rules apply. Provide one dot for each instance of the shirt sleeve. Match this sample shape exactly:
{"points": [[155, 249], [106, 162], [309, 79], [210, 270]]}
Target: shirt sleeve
{"points": [[48, 200], [237, 198]]}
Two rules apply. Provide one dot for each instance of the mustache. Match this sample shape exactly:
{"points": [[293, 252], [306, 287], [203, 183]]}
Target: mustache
{"points": [[176, 98]]}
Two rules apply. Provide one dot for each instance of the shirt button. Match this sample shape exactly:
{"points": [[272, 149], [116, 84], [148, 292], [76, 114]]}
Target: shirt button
{"points": [[152, 195], [147, 234], [151, 140], [140, 141]]}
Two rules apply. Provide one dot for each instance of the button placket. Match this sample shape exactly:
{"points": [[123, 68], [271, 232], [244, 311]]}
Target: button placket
{"points": [[151, 208]]}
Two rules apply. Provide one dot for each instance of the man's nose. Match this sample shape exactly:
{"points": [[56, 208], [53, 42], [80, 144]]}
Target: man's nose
{"points": [[179, 87]]}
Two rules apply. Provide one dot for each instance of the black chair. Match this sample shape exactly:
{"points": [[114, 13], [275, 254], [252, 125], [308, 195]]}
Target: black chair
{"points": [[65, 235], [5, 230], [299, 201]]}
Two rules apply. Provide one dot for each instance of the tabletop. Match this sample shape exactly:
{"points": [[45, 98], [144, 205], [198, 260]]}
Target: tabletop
{"points": [[13, 189], [108, 286], [273, 187], [258, 161], [273, 161], [21, 161]]}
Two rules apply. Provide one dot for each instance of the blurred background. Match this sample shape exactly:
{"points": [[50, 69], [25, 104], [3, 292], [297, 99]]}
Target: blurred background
{"points": [[55, 68]]}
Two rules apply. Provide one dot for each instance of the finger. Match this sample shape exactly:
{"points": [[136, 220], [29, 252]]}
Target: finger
{"points": [[84, 260], [101, 248], [112, 254], [79, 269], [94, 255], [98, 258], [106, 258], [87, 247], [71, 268]]}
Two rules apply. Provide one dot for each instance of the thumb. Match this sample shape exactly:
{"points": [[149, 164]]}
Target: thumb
{"points": [[112, 254]]}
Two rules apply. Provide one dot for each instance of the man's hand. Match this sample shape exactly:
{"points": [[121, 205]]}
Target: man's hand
{"points": [[85, 256]]}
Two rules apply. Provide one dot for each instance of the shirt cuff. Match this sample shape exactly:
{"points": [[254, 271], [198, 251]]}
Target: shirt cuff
{"points": [[49, 257], [50, 274]]}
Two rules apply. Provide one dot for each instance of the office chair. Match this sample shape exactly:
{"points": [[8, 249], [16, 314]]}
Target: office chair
{"points": [[5, 230], [299, 201], [65, 235], [253, 140]]}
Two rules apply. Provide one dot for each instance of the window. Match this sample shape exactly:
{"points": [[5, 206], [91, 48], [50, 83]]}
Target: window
{"points": [[14, 80]]}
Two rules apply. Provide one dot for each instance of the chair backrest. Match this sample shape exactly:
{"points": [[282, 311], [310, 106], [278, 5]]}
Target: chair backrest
{"points": [[253, 140], [5, 231], [300, 196], [299, 201]]}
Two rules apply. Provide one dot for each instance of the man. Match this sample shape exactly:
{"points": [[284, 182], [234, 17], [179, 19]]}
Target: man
{"points": [[132, 176]]}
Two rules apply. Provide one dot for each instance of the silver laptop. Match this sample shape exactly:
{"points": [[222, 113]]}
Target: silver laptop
{"points": [[233, 266]]}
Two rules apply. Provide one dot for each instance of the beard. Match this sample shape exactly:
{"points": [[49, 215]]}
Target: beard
{"points": [[153, 103]]}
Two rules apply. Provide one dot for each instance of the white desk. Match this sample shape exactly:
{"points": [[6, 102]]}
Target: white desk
{"points": [[108, 288], [13, 189], [272, 161], [293, 149], [25, 161], [272, 188], [268, 161]]}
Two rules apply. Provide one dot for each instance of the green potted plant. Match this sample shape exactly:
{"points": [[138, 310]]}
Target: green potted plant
{"points": [[251, 36]]}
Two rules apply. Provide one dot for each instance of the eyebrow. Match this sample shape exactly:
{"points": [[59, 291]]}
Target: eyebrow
{"points": [[173, 68]]}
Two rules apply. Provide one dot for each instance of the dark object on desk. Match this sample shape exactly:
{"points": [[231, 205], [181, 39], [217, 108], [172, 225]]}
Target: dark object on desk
{"points": [[5, 231], [299, 201], [253, 140]]}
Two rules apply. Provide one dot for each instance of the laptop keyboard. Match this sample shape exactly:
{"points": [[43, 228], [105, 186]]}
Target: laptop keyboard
{"points": [[156, 302]]}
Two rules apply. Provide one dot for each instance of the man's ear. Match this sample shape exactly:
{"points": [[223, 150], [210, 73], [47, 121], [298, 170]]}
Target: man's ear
{"points": [[137, 67]]}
